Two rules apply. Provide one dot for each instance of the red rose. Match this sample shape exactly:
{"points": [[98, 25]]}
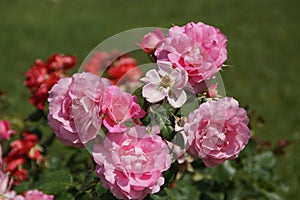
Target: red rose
{"points": [[124, 69], [42, 76]]}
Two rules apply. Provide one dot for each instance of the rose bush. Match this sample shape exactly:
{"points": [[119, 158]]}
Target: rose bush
{"points": [[161, 131]]}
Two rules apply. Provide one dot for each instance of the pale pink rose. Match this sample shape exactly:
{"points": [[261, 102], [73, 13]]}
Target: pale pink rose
{"points": [[166, 82], [217, 131], [120, 107], [131, 163], [75, 108], [37, 195], [152, 40], [198, 48], [18, 197], [5, 130]]}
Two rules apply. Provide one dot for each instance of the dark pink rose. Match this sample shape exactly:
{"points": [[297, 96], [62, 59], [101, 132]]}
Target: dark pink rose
{"points": [[120, 107]]}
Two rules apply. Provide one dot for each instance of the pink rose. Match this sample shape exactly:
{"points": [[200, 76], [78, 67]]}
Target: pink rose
{"points": [[131, 163], [217, 131], [152, 40], [198, 48], [37, 195], [75, 108], [120, 107], [5, 130]]}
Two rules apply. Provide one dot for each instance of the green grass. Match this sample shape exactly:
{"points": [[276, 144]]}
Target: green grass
{"points": [[263, 48]]}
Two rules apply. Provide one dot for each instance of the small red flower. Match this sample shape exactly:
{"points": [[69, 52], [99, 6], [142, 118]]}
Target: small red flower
{"points": [[21, 150], [60, 62], [36, 75], [97, 62], [124, 69], [13, 165], [20, 175], [43, 75]]}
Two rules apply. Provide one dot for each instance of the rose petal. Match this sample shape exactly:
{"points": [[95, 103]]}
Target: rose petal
{"points": [[153, 93], [177, 98]]}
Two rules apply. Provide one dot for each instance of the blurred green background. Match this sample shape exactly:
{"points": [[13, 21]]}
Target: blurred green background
{"points": [[263, 46]]}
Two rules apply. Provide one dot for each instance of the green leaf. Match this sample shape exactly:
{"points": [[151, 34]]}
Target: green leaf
{"points": [[170, 194], [88, 182], [170, 174], [258, 167], [55, 182], [215, 195], [223, 173], [35, 116], [265, 159], [159, 115], [249, 150], [273, 196], [185, 189], [99, 190], [23, 186], [64, 196], [138, 93]]}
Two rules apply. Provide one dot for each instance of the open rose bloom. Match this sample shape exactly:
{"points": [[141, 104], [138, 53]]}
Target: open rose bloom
{"points": [[132, 143], [200, 49], [217, 131], [131, 163]]}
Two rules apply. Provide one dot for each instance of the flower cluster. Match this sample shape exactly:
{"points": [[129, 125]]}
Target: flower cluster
{"points": [[21, 150], [43, 75], [121, 69], [132, 142], [6, 192], [80, 105]]}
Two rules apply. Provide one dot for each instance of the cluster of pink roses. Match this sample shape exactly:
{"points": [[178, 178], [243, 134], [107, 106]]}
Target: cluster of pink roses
{"points": [[80, 105], [133, 155]]}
